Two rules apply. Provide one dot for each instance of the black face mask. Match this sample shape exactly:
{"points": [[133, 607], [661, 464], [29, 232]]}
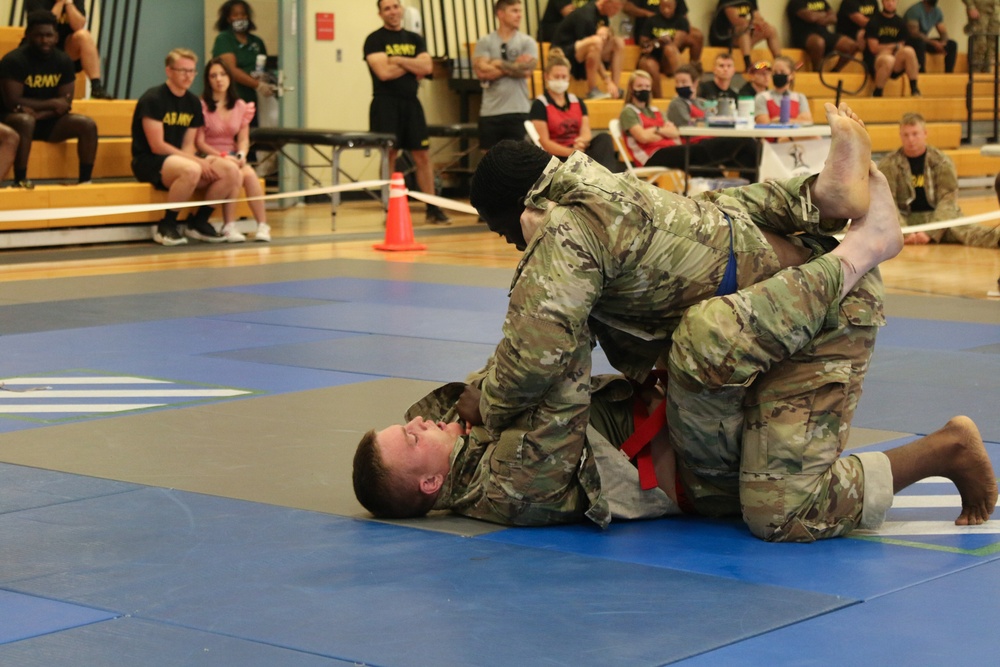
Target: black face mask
{"points": [[684, 91], [779, 80], [641, 95]]}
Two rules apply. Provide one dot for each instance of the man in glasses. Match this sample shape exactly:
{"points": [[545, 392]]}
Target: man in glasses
{"points": [[166, 120]]}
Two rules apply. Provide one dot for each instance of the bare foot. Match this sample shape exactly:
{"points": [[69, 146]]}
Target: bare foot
{"points": [[873, 237], [841, 189], [971, 471], [917, 238], [954, 451]]}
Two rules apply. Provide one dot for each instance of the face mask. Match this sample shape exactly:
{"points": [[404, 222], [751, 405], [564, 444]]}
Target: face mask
{"points": [[779, 80], [241, 25], [684, 91], [641, 95], [557, 85]]}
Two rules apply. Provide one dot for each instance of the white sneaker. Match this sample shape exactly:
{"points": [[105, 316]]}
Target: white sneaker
{"points": [[263, 232], [232, 234]]}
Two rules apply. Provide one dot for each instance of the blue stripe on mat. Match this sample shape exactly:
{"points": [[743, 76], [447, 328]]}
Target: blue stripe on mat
{"points": [[133, 642], [23, 616], [395, 292], [938, 335], [417, 321], [947, 621], [850, 568], [389, 356], [918, 391], [24, 488], [377, 593]]}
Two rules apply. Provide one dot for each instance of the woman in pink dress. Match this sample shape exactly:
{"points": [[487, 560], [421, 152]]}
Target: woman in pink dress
{"points": [[226, 133]]}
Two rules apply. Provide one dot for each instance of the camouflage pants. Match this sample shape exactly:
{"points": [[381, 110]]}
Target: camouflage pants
{"points": [[763, 386], [980, 236], [983, 48]]}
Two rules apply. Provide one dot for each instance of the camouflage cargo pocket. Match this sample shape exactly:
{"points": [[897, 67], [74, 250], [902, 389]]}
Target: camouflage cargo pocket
{"points": [[794, 421]]}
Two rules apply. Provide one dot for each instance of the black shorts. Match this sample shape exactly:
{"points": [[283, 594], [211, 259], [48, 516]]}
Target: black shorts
{"points": [[829, 40], [147, 169], [403, 117], [44, 127], [493, 129]]}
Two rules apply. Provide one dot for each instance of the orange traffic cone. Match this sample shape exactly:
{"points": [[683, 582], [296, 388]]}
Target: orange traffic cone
{"points": [[398, 226]]}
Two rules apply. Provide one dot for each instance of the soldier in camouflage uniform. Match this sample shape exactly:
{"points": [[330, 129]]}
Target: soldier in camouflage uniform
{"points": [[769, 376], [984, 18], [924, 185]]}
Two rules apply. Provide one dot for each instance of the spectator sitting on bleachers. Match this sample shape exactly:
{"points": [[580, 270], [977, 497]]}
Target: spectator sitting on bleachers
{"points": [[924, 185], [739, 24], [643, 10], [650, 140], [984, 22], [811, 22], [853, 17], [921, 19], [758, 79], [226, 134], [164, 127], [586, 38], [503, 61], [561, 120], [720, 85], [663, 38], [887, 54], [37, 82], [767, 105], [555, 12], [685, 110], [75, 39]]}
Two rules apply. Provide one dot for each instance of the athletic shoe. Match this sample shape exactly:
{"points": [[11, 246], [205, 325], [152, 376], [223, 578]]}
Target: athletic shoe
{"points": [[263, 232], [436, 216], [24, 185], [99, 93], [201, 230], [232, 234], [597, 94], [168, 235]]}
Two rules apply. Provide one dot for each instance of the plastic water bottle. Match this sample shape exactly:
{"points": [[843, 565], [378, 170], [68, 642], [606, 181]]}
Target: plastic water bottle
{"points": [[258, 71], [786, 109]]}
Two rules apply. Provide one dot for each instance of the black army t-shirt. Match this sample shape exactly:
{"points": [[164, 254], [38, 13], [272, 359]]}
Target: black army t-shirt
{"points": [[178, 114], [41, 74], [395, 43]]}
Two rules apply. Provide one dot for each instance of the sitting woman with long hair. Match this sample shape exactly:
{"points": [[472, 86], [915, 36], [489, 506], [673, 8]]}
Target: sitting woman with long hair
{"points": [[226, 133], [561, 118], [653, 141]]}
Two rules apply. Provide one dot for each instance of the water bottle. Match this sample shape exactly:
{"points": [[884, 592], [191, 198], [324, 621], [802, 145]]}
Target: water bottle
{"points": [[258, 71], [786, 109]]}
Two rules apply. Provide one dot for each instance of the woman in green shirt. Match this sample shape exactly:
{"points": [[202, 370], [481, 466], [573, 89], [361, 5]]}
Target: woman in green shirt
{"points": [[239, 48]]}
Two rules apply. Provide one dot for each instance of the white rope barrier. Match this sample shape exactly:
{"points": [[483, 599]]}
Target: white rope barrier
{"points": [[24, 215], [955, 222]]}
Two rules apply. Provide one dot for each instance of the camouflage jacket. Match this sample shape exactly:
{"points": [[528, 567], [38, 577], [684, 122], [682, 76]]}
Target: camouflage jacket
{"points": [[940, 183], [618, 261], [550, 478]]}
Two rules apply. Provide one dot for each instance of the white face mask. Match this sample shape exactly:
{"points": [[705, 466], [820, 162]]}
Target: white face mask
{"points": [[557, 85]]}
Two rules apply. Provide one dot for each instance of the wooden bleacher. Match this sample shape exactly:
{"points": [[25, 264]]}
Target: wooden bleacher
{"points": [[59, 161]]}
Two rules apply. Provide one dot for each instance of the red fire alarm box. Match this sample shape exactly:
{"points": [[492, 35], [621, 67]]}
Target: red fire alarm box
{"points": [[324, 26]]}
